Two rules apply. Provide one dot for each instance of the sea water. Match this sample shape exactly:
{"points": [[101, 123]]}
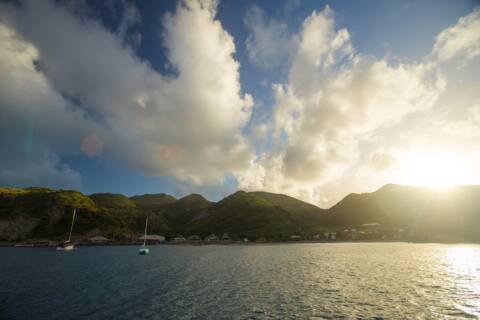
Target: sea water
{"points": [[277, 281]]}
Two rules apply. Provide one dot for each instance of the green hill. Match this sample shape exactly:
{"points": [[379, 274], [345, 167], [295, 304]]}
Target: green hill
{"points": [[45, 213], [429, 213], [193, 200], [111, 200], [302, 212], [425, 214], [249, 215], [153, 201], [184, 211], [39, 212]]}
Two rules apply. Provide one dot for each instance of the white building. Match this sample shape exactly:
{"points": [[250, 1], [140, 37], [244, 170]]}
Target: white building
{"points": [[153, 238], [178, 239]]}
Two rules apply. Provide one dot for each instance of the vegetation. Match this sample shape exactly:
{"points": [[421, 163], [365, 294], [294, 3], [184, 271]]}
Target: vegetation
{"points": [[153, 201], [428, 214], [110, 200], [425, 214]]}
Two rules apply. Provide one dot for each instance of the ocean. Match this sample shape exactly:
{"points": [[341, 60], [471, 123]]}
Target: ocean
{"points": [[257, 281]]}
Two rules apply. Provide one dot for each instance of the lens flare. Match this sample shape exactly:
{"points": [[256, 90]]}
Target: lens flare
{"points": [[92, 145]]}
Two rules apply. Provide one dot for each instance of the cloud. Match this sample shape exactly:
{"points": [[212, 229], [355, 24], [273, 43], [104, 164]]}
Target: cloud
{"points": [[269, 43], [123, 17], [461, 40], [130, 16], [381, 160], [466, 128], [34, 120], [186, 125], [36, 168], [340, 123], [334, 100], [340, 95]]}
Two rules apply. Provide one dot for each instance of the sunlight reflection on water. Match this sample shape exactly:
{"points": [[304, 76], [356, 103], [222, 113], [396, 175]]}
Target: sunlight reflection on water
{"points": [[463, 264]]}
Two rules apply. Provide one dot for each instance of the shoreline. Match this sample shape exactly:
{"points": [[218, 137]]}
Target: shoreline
{"points": [[238, 243]]}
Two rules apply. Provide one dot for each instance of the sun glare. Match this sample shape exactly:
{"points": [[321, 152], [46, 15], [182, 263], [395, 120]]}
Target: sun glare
{"points": [[435, 170]]}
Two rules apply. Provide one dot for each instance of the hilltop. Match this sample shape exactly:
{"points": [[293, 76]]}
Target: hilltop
{"points": [[431, 214], [420, 213]]}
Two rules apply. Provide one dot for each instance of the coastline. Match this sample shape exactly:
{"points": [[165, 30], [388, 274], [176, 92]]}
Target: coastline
{"points": [[231, 243]]}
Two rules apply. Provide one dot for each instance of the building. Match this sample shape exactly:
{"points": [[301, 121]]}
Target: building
{"points": [[371, 225], [374, 230], [225, 237], [179, 239], [350, 233], [330, 235], [153, 238], [211, 237], [98, 240]]}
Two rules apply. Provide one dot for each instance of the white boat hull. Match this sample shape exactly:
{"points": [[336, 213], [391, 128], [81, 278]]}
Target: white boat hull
{"points": [[143, 251], [66, 248]]}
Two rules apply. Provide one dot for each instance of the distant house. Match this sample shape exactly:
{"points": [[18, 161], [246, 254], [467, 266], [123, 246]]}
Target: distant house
{"points": [[179, 239], [371, 225], [98, 240], [330, 235], [211, 237], [194, 238], [353, 233], [225, 237], [153, 238], [350, 233]]}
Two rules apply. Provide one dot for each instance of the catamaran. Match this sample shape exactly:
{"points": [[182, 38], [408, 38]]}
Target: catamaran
{"points": [[68, 244], [144, 250]]}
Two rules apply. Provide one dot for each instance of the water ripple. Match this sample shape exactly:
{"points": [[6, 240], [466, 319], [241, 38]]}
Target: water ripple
{"points": [[301, 281]]}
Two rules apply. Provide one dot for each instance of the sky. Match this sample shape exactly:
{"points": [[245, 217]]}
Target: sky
{"points": [[314, 99]]}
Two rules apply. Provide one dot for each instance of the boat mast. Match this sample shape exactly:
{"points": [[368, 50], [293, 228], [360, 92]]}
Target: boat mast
{"points": [[71, 227], [145, 236]]}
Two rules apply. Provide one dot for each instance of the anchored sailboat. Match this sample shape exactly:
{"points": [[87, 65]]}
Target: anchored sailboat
{"points": [[144, 250], [68, 244]]}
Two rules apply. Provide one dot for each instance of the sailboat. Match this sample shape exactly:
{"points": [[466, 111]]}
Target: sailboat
{"points": [[144, 250], [68, 244]]}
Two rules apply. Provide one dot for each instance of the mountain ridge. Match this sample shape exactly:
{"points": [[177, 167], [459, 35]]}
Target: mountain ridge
{"points": [[42, 212]]}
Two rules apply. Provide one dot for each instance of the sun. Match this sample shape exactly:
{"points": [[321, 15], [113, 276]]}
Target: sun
{"points": [[438, 170]]}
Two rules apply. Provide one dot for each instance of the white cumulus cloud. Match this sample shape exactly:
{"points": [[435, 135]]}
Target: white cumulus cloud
{"points": [[327, 113], [186, 125], [461, 40]]}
